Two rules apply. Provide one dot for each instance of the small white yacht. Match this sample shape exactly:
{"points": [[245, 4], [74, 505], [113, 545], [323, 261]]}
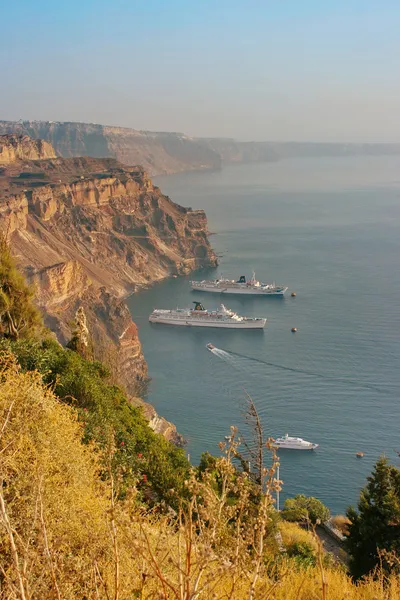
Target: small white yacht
{"points": [[294, 443]]}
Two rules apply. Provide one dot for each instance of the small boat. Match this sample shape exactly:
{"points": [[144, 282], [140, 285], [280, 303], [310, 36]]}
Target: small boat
{"points": [[210, 347], [294, 443], [294, 329], [359, 454], [293, 294]]}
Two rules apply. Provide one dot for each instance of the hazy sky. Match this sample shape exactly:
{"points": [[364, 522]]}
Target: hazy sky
{"points": [[266, 69]]}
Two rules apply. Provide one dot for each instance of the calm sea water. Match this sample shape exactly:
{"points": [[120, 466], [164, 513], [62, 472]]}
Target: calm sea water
{"points": [[330, 230]]}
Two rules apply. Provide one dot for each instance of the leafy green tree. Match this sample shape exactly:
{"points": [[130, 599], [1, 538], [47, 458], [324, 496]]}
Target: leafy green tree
{"points": [[374, 532], [19, 317], [306, 509]]}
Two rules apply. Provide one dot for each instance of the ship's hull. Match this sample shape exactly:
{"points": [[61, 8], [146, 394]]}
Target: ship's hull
{"points": [[282, 447], [256, 324], [237, 291]]}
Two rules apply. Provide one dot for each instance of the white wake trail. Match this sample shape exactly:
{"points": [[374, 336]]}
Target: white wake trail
{"points": [[227, 357], [221, 353]]}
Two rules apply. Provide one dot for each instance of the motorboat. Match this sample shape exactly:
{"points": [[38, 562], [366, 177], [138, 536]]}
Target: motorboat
{"points": [[294, 443]]}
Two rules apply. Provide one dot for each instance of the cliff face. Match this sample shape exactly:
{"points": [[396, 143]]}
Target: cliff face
{"points": [[90, 231], [21, 147], [158, 153], [116, 224], [163, 153]]}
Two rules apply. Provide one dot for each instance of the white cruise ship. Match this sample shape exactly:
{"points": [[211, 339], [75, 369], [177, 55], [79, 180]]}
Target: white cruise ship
{"points": [[252, 287], [294, 443], [200, 317]]}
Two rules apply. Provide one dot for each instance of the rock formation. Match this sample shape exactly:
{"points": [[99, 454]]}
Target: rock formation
{"points": [[22, 147], [90, 231]]}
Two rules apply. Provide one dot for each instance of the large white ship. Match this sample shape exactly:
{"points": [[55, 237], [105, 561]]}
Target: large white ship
{"points": [[294, 443], [200, 317], [242, 286]]}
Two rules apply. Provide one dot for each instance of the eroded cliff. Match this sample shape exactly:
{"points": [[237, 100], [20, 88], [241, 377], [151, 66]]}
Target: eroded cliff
{"points": [[90, 231], [22, 147], [158, 152]]}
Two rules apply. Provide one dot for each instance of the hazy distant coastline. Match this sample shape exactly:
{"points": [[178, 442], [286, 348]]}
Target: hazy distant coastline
{"points": [[162, 153]]}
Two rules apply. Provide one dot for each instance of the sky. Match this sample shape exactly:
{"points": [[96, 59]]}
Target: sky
{"points": [[306, 70]]}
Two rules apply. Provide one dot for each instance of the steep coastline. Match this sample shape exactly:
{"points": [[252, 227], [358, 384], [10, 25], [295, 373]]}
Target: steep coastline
{"points": [[162, 153], [87, 233], [159, 153]]}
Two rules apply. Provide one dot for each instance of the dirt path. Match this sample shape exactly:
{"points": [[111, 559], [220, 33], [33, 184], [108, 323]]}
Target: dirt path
{"points": [[332, 546]]}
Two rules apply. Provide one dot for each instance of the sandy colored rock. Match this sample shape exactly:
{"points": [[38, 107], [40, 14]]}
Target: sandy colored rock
{"points": [[22, 147], [88, 232]]}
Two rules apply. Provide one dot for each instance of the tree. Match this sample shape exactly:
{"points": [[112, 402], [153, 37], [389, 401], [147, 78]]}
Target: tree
{"points": [[18, 314], [307, 509], [374, 530]]}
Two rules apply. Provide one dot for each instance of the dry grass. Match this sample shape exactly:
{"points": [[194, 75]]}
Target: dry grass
{"points": [[292, 534], [341, 523]]}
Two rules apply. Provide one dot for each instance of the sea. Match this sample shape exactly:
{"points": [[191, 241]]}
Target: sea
{"points": [[329, 229]]}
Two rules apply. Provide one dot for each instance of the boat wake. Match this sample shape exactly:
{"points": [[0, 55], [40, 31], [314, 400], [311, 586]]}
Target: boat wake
{"points": [[239, 362], [222, 354]]}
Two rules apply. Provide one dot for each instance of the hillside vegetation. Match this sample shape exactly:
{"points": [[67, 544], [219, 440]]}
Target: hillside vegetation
{"points": [[94, 505]]}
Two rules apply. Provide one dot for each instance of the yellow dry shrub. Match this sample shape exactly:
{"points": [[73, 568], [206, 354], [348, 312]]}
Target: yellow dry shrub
{"points": [[293, 534], [341, 523], [307, 585], [50, 492], [163, 556]]}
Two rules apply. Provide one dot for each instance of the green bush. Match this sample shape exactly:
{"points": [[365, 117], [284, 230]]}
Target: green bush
{"points": [[305, 509], [303, 553], [140, 454]]}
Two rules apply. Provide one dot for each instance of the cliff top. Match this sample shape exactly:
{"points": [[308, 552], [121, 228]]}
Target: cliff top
{"points": [[24, 174]]}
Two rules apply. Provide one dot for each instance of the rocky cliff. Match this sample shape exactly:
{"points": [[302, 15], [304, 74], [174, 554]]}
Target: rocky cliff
{"points": [[90, 231], [163, 153], [158, 153], [21, 147]]}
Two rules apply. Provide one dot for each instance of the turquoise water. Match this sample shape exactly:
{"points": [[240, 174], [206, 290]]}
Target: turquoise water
{"points": [[330, 230]]}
